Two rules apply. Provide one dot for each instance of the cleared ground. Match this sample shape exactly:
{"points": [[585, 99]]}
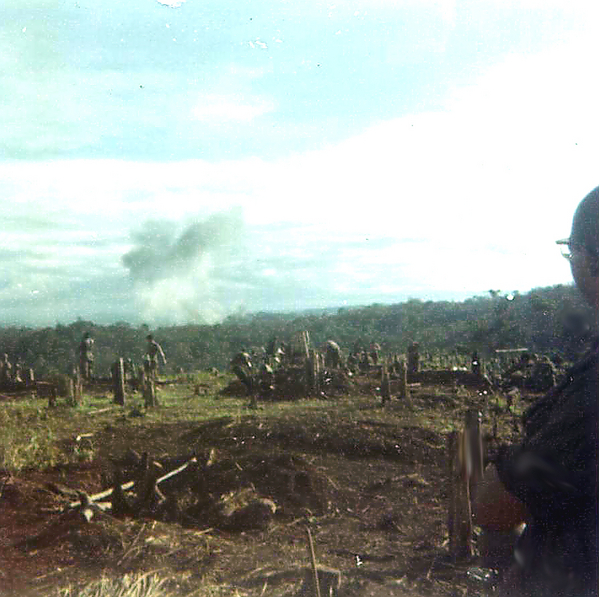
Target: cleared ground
{"points": [[369, 483]]}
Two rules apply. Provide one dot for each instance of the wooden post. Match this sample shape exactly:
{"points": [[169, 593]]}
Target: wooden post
{"points": [[149, 391], [51, 395], [404, 390], [313, 373], [474, 452], [459, 521], [118, 382], [318, 365], [77, 387], [309, 366], [413, 360], [385, 385], [314, 567], [300, 346]]}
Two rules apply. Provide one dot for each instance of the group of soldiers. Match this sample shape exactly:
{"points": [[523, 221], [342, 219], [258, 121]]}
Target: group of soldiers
{"points": [[274, 367], [363, 359], [532, 372], [262, 371], [9, 373], [153, 355]]}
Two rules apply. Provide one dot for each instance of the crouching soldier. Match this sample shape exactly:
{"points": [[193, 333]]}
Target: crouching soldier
{"points": [[266, 381], [241, 365], [332, 355]]}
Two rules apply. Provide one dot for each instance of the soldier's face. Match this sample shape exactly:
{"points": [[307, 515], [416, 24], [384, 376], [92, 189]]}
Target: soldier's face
{"points": [[585, 271]]}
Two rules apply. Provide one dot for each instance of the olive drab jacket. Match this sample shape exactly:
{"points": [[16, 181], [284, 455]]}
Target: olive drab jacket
{"points": [[553, 471]]}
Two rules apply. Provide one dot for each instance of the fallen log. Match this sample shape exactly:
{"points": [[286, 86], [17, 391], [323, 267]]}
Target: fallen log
{"points": [[125, 486], [101, 410]]}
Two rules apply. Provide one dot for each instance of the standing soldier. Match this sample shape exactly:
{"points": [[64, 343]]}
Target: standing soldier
{"points": [[5, 369], [153, 350], [358, 349], [364, 362], [86, 356], [352, 363], [18, 377], [375, 350]]}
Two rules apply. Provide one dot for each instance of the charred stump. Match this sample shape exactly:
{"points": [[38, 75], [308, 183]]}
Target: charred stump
{"points": [[118, 382]]}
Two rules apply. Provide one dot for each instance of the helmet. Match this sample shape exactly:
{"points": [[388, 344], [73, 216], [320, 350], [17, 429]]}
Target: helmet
{"points": [[585, 225]]}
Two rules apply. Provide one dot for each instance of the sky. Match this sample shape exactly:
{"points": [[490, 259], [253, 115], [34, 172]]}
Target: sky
{"points": [[174, 162]]}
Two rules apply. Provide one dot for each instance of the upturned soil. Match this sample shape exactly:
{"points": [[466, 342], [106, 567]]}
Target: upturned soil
{"points": [[369, 484]]}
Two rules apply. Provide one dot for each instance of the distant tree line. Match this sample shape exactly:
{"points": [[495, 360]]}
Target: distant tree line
{"points": [[545, 320]]}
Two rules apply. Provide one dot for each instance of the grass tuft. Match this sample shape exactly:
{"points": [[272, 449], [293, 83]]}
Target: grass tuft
{"points": [[26, 440]]}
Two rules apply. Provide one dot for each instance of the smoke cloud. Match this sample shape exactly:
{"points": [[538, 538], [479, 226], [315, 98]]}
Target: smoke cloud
{"points": [[174, 268]]}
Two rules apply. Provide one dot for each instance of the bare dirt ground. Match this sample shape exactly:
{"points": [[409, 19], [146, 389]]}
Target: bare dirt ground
{"points": [[368, 482]]}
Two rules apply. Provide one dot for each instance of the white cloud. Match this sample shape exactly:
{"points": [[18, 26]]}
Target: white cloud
{"points": [[172, 3], [487, 184], [229, 108]]}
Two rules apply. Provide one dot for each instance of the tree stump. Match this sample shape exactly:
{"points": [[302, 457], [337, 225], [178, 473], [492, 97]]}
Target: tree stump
{"points": [[118, 382], [385, 385], [149, 391], [313, 373], [474, 451], [413, 360], [404, 390], [76, 388], [300, 346], [459, 519]]}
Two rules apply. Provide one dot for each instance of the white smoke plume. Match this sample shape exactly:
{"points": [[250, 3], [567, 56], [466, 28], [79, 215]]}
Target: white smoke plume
{"points": [[173, 268]]}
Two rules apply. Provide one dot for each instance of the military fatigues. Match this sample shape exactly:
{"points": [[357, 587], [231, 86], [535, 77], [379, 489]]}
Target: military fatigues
{"points": [[241, 365], [554, 473], [86, 357], [332, 356], [5, 370]]}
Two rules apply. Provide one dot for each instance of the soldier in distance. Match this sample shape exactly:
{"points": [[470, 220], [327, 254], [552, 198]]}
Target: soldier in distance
{"points": [[86, 356], [153, 351]]}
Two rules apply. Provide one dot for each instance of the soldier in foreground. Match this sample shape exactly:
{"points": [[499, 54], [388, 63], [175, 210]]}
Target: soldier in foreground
{"points": [[549, 480]]}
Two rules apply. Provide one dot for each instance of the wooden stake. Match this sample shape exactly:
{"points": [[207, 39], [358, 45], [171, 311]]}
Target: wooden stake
{"points": [[313, 562], [149, 391], [118, 382], [404, 390], [474, 453], [385, 385], [459, 521]]}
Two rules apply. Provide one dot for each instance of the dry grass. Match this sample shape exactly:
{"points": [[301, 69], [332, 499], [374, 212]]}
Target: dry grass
{"points": [[129, 585]]}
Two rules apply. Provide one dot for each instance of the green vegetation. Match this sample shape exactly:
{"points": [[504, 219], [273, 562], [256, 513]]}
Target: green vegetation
{"points": [[535, 320], [27, 437]]}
